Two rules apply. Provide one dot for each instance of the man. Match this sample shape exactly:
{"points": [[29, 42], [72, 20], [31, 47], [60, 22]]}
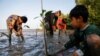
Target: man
{"points": [[79, 21], [14, 24]]}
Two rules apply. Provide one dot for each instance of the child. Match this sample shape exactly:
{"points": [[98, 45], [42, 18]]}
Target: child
{"points": [[14, 24], [61, 25]]}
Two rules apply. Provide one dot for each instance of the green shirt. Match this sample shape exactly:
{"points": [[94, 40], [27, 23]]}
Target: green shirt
{"points": [[79, 38]]}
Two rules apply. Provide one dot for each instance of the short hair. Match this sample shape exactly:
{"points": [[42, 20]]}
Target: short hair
{"points": [[79, 10], [24, 19]]}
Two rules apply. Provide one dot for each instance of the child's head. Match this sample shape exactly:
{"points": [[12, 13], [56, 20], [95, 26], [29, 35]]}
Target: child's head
{"points": [[24, 19], [78, 15]]}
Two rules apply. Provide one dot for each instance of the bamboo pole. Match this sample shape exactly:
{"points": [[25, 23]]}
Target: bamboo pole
{"points": [[45, 42]]}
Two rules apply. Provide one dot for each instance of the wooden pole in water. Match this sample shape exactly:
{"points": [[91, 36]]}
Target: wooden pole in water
{"points": [[45, 43], [36, 32]]}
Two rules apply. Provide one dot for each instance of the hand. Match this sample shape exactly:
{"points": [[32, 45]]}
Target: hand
{"points": [[78, 53], [18, 34], [75, 54]]}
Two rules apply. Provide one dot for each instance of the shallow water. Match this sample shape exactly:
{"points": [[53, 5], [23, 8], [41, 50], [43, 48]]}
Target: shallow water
{"points": [[33, 46]]}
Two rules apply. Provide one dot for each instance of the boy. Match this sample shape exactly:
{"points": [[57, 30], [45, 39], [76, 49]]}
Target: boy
{"points": [[79, 21], [14, 24]]}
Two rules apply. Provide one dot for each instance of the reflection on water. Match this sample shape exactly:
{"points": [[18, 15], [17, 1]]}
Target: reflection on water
{"points": [[33, 46]]}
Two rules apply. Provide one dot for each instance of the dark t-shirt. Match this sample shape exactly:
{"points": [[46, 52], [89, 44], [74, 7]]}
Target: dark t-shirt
{"points": [[79, 39]]}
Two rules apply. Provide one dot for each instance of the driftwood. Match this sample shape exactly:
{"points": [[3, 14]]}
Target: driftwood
{"points": [[3, 34]]}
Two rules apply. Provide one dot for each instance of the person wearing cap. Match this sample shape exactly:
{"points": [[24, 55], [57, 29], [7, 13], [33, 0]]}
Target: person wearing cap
{"points": [[14, 24]]}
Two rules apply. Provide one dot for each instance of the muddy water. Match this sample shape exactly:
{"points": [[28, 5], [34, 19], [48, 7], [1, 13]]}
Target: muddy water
{"points": [[33, 46]]}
